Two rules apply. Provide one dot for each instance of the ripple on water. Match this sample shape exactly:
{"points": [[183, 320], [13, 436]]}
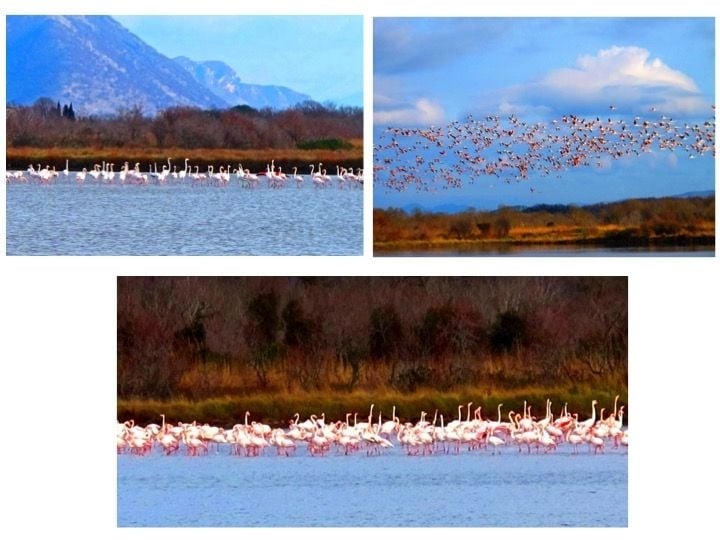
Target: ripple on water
{"points": [[466, 490], [69, 219]]}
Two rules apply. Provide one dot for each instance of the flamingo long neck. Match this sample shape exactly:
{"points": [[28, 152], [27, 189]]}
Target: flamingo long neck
{"points": [[499, 417], [615, 409], [468, 411]]}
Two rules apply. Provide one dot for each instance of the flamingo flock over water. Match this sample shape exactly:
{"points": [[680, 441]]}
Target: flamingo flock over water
{"points": [[105, 173], [522, 432], [513, 150]]}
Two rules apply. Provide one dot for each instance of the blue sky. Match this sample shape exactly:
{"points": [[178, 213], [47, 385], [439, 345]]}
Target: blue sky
{"points": [[321, 56], [431, 71]]}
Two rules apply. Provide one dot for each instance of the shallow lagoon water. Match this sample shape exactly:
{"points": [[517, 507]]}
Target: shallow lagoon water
{"points": [[470, 489], [70, 219]]}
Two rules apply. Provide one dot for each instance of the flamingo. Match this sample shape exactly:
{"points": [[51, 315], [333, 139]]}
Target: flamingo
{"points": [[298, 178], [455, 423], [596, 442], [495, 441], [575, 440], [317, 178], [590, 422], [182, 174], [95, 173], [391, 425]]}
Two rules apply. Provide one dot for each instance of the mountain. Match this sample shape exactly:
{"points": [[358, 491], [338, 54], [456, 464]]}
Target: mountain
{"points": [[100, 67], [225, 83], [96, 64], [689, 194]]}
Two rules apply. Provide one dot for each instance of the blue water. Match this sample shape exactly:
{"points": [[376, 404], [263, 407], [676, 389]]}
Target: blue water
{"points": [[471, 489], [70, 219]]}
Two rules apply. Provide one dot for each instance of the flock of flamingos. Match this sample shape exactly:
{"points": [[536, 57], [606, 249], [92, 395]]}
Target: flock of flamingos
{"points": [[511, 149], [521, 432], [105, 174]]}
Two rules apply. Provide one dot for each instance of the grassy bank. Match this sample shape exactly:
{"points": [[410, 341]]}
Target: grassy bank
{"points": [[255, 159], [278, 409], [602, 237], [668, 221]]}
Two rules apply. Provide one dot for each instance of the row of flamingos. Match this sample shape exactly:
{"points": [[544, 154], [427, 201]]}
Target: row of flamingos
{"points": [[275, 177], [522, 432]]}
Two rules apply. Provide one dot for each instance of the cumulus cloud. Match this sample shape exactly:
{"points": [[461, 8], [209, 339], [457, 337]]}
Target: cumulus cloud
{"points": [[421, 112], [626, 77], [618, 67]]}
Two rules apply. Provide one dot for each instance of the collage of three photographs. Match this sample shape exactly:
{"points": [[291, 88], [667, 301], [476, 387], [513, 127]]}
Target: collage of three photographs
{"points": [[412, 376]]}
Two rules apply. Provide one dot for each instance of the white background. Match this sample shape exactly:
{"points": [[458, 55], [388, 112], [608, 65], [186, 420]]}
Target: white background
{"points": [[57, 346]]}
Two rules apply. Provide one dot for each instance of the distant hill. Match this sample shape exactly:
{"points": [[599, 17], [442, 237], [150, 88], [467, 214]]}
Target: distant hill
{"points": [[224, 82], [100, 67], [706, 193], [451, 208]]}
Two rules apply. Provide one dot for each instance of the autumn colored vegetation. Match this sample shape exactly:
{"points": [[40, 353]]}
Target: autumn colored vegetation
{"points": [[41, 133], [216, 346], [674, 221]]}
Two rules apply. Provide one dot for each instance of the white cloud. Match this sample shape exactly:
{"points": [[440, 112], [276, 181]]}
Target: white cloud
{"points": [[628, 67], [626, 77], [422, 112]]}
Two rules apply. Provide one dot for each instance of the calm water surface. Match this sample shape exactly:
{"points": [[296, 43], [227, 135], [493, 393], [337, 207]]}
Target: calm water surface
{"points": [[70, 219], [392, 490]]}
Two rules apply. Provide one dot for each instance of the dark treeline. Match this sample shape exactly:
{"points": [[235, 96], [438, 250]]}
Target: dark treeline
{"points": [[199, 337], [633, 221], [307, 125]]}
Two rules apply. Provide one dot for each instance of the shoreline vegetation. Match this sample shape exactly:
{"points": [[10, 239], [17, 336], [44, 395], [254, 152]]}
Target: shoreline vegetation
{"points": [[278, 408], [208, 349], [645, 223], [307, 133], [254, 159]]}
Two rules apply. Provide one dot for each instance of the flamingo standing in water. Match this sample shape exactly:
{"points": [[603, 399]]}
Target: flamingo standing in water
{"points": [[495, 441], [298, 178], [80, 177], [317, 178]]}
